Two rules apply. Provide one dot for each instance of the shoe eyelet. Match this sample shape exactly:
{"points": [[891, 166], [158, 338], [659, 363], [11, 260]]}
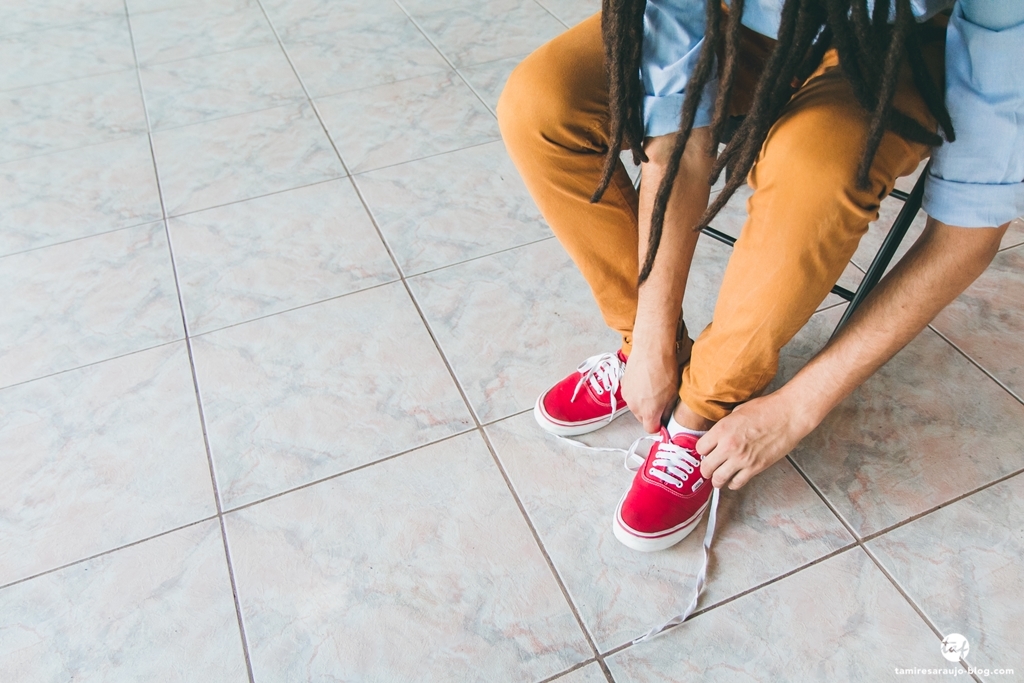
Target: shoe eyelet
{"points": [[600, 391]]}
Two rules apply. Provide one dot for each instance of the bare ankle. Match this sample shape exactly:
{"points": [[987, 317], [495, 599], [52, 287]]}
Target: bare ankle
{"points": [[690, 419]]}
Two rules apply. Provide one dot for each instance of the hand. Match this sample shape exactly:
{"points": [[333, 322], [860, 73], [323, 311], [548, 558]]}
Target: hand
{"points": [[750, 440], [650, 385]]}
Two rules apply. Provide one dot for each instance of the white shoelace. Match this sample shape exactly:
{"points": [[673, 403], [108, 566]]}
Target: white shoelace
{"points": [[603, 372], [679, 463]]}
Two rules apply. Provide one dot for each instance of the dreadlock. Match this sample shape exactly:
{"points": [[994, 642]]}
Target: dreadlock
{"points": [[871, 53]]}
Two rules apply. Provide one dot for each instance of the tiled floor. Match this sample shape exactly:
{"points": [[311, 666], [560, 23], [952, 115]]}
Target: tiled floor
{"points": [[275, 308]]}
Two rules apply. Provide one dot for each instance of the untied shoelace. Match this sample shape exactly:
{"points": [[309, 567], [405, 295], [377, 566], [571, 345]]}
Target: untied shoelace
{"points": [[679, 463]]}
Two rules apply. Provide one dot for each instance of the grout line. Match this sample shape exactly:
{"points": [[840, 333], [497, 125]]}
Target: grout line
{"points": [[356, 468], [540, 545], [349, 91], [565, 672], [824, 499], [913, 604], [148, 65], [481, 256], [65, 80], [440, 351], [507, 417], [299, 307], [92, 363], [151, 221], [553, 15], [605, 670], [862, 541], [974, 362], [448, 61], [108, 552], [913, 518], [195, 378], [259, 196], [732, 598], [426, 156], [292, 101], [111, 141], [1009, 247]]}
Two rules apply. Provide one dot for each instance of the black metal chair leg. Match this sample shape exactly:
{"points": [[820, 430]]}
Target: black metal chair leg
{"points": [[885, 254]]}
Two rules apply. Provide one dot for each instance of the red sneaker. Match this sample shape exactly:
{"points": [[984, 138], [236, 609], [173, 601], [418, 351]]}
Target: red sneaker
{"points": [[586, 400], [668, 495]]}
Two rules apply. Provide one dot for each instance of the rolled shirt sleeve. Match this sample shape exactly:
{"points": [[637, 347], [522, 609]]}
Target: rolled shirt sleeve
{"points": [[673, 36], [978, 180]]}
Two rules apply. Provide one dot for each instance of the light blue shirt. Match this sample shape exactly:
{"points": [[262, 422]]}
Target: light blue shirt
{"points": [[976, 181]]}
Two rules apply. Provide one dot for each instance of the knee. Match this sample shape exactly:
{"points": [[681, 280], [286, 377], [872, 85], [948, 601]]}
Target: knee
{"points": [[535, 103], [815, 150]]}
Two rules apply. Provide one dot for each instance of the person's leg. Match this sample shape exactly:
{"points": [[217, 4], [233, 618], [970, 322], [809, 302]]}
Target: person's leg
{"points": [[806, 217], [553, 116]]}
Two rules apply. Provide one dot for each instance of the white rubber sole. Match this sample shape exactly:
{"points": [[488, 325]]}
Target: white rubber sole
{"points": [[559, 428], [648, 543]]}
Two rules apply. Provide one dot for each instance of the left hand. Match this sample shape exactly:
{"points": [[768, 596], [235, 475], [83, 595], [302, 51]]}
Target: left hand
{"points": [[751, 439]]}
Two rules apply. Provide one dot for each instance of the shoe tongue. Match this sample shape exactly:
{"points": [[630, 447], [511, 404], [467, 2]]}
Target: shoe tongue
{"points": [[684, 440]]}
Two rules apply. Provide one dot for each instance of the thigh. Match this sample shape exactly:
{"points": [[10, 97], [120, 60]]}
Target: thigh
{"points": [[561, 90]]}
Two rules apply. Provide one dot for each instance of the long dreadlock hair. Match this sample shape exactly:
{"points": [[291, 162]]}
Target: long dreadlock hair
{"points": [[871, 52]]}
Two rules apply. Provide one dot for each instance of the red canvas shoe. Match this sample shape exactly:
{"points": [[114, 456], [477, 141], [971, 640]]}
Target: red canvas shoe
{"points": [[667, 497], [586, 400]]}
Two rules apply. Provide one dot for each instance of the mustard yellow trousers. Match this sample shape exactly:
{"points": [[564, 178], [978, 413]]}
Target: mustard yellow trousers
{"points": [[805, 217]]}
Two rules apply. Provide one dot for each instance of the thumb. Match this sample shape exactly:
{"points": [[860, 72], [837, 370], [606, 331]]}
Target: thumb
{"points": [[707, 443]]}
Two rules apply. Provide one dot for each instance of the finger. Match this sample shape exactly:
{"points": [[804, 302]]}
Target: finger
{"points": [[712, 460], [725, 472], [740, 479], [652, 425], [707, 443]]}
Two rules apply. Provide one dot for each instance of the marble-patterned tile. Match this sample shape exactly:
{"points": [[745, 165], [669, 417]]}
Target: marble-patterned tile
{"points": [[70, 114], [158, 611], [309, 393], [38, 15], [485, 32], [63, 196], [66, 52], [243, 156], [100, 457], [85, 301], [193, 30], [591, 673], [960, 564], [926, 428], [396, 122], [218, 85], [512, 323], [985, 322], [1014, 235], [840, 620], [432, 576], [571, 12], [372, 51], [266, 255], [488, 80], [771, 526], [300, 19], [419, 7], [452, 207], [142, 6]]}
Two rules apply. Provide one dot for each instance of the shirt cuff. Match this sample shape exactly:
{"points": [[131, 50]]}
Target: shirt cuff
{"points": [[661, 114], [972, 205]]}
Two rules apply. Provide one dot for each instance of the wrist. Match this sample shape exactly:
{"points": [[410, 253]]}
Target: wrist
{"points": [[805, 406]]}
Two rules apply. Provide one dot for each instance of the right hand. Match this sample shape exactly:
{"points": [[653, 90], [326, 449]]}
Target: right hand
{"points": [[650, 385]]}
